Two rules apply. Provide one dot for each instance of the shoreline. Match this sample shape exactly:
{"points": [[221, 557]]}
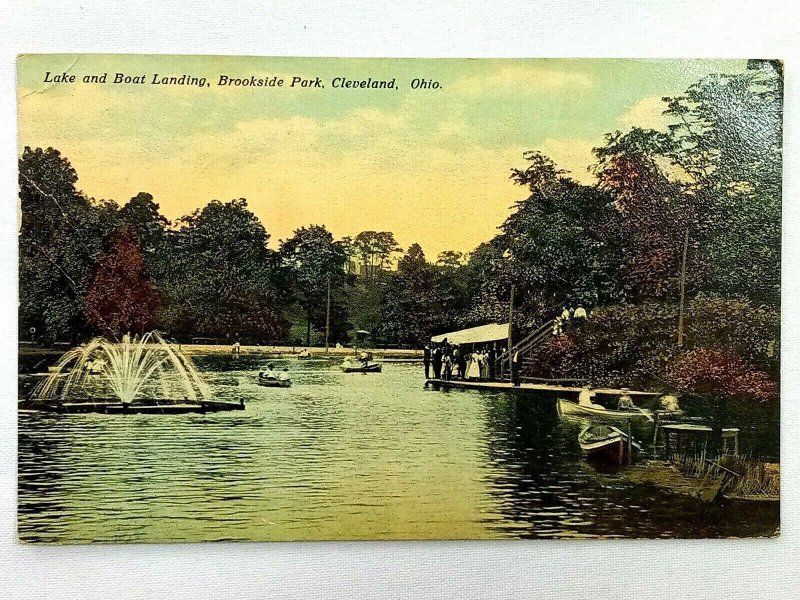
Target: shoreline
{"points": [[223, 349]]}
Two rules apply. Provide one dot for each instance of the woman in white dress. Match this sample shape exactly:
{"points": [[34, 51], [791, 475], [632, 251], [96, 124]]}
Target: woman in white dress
{"points": [[474, 367], [485, 364]]}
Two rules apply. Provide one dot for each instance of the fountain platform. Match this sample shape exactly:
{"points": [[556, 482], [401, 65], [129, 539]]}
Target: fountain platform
{"points": [[160, 406]]}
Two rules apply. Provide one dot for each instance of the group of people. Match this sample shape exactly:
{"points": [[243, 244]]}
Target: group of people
{"points": [[451, 361], [270, 373], [567, 317]]}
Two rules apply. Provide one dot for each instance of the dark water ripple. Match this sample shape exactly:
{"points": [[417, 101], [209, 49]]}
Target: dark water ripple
{"points": [[337, 456]]}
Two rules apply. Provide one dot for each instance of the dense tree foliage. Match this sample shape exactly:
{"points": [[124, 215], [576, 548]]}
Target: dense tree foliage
{"points": [[634, 345], [374, 250], [121, 298], [62, 233], [222, 280], [420, 299], [316, 260]]}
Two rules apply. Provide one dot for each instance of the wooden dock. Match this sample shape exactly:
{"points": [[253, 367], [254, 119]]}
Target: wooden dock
{"points": [[544, 389]]}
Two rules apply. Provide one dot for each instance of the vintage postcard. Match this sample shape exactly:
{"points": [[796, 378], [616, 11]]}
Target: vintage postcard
{"points": [[268, 299]]}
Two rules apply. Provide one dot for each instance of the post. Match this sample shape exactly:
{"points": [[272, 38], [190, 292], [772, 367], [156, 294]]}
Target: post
{"points": [[683, 288], [510, 320], [630, 442], [328, 317], [510, 328], [655, 434]]}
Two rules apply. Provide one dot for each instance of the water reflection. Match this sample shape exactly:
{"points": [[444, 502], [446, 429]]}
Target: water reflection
{"points": [[337, 456]]}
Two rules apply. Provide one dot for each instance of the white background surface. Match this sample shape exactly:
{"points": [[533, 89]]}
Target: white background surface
{"points": [[720, 569]]}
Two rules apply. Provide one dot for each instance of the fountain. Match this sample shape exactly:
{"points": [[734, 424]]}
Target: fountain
{"points": [[140, 375]]}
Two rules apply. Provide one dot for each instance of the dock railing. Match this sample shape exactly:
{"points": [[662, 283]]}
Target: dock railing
{"points": [[524, 346]]}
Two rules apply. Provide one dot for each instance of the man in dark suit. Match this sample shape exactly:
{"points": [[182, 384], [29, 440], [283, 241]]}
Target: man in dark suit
{"points": [[515, 364], [492, 361], [426, 359], [436, 359]]}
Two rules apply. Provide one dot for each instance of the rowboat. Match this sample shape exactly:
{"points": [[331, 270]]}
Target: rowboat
{"points": [[597, 411], [606, 443], [350, 367], [273, 382]]}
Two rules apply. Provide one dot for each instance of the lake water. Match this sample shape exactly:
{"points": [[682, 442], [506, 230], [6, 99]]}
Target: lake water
{"points": [[339, 456]]}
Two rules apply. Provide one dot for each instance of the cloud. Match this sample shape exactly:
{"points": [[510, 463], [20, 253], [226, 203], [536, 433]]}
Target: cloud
{"points": [[645, 113], [522, 79], [428, 174], [365, 169]]}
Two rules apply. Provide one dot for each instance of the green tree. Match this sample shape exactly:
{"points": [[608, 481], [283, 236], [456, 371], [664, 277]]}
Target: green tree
{"points": [[61, 235], [450, 258], [375, 249], [142, 215], [727, 136], [222, 280], [554, 247], [315, 259], [419, 300]]}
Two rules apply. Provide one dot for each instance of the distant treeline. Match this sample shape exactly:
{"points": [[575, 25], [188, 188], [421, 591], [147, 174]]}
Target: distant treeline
{"points": [[709, 189]]}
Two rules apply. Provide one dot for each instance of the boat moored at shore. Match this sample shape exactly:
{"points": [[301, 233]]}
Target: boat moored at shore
{"points": [[605, 443]]}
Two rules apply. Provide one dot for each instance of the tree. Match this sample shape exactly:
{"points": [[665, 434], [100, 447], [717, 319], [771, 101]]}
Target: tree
{"points": [[653, 215], [626, 345], [351, 251], [121, 298], [413, 261], [727, 136], [489, 276], [222, 280], [61, 235], [419, 300], [375, 248], [553, 248], [314, 259], [142, 215], [450, 258]]}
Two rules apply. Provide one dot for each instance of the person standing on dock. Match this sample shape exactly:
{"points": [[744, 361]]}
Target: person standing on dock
{"points": [[485, 364], [515, 364], [492, 359], [448, 367], [436, 359], [462, 363], [474, 367], [426, 359]]}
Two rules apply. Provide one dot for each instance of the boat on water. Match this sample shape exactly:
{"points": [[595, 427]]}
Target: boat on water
{"points": [[567, 407], [304, 355], [274, 382], [267, 377], [606, 443], [361, 367]]}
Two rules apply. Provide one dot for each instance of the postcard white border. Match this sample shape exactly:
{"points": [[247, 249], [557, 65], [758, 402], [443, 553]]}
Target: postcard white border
{"points": [[536, 569]]}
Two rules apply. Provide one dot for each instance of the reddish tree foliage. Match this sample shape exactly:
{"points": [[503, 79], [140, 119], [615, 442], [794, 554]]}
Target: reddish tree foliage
{"points": [[711, 371], [654, 214], [121, 299]]}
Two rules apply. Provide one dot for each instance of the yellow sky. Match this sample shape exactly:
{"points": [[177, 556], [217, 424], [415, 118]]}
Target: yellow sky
{"points": [[431, 166]]}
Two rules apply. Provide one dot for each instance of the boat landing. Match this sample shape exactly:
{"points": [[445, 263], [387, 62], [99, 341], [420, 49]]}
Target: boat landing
{"points": [[543, 389]]}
